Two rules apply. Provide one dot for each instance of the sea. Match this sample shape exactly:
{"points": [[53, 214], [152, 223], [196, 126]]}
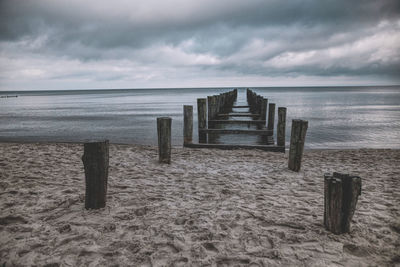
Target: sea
{"points": [[338, 117]]}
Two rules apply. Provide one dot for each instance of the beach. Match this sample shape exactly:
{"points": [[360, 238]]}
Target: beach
{"points": [[207, 208]]}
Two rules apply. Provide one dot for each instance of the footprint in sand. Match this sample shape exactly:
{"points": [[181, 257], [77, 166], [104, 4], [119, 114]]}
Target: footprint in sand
{"points": [[180, 221], [183, 261], [109, 227], [210, 247], [164, 255], [355, 250], [141, 211], [12, 220]]}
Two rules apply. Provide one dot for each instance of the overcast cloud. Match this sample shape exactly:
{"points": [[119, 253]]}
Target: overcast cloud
{"points": [[50, 44]]}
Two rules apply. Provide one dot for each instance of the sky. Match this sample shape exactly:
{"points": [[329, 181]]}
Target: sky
{"points": [[75, 44]]}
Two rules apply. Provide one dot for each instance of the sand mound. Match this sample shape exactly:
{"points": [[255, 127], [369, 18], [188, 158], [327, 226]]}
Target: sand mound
{"points": [[208, 208]]}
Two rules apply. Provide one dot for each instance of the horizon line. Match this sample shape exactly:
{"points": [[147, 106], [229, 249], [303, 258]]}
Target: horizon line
{"points": [[210, 87]]}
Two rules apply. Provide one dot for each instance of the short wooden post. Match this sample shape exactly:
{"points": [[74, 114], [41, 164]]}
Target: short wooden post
{"points": [[202, 118], [340, 200], [281, 127], [187, 124], [95, 160], [271, 116], [164, 139], [297, 139]]}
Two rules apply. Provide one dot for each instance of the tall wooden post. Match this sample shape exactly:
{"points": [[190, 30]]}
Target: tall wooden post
{"points": [[264, 106], [95, 160], [259, 104], [214, 107], [187, 124], [297, 139], [281, 127], [164, 139], [202, 118], [271, 116], [341, 193], [209, 108]]}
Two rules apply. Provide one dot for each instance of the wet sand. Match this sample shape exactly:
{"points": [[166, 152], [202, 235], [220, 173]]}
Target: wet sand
{"points": [[208, 208]]}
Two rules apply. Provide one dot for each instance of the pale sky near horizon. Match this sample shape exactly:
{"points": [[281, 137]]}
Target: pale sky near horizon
{"points": [[54, 44]]}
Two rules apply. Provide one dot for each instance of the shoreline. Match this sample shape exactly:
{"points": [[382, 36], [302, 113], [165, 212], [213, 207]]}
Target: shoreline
{"points": [[208, 207], [181, 146]]}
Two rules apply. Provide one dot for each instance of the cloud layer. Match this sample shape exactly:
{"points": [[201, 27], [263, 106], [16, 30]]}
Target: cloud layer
{"points": [[55, 44]]}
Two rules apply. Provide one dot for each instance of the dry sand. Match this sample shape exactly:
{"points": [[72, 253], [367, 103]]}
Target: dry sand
{"points": [[208, 208]]}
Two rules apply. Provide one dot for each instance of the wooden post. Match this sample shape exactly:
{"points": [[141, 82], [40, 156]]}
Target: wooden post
{"points": [[258, 104], [95, 160], [164, 139], [264, 106], [202, 118], [281, 128], [297, 139], [214, 106], [187, 124], [271, 116], [209, 107], [340, 200]]}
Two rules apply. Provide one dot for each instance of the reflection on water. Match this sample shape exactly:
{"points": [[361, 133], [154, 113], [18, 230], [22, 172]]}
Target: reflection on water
{"points": [[338, 117]]}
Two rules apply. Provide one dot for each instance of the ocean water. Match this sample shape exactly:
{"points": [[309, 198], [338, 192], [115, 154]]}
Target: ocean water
{"points": [[339, 117]]}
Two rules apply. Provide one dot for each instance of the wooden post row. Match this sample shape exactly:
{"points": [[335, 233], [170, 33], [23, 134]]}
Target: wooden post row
{"points": [[341, 193], [95, 160], [281, 127], [297, 139], [164, 139]]}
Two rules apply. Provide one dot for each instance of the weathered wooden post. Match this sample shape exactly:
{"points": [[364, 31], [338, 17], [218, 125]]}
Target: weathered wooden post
{"points": [[259, 104], [271, 116], [164, 139], [214, 101], [95, 160], [297, 139], [281, 127], [202, 119], [187, 124], [264, 106], [340, 200], [210, 107]]}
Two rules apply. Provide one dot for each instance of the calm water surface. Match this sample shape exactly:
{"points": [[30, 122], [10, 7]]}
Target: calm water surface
{"points": [[339, 117]]}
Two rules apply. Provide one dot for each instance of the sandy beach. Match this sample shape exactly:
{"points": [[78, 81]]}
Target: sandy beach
{"points": [[208, 208]]}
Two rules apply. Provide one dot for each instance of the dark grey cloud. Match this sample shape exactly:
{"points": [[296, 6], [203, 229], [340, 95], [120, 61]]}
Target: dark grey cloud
{"points": [[154, 39]]}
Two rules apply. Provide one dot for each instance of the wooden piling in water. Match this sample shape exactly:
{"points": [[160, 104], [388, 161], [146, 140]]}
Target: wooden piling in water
{"points": [[164, 139], [271, 116], [187, 124], [202, 118], [341, 193], [96, 160], [281, 127], [297, 139], [264, 106], [258, 104], [209, 108], [212, 107]]}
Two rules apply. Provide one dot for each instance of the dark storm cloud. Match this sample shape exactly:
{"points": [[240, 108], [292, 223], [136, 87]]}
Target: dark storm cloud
{"points": [[264, 38]]}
